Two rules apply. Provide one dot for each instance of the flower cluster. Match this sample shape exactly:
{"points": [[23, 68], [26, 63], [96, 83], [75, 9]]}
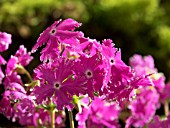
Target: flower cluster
{"points": [[77, 72]]}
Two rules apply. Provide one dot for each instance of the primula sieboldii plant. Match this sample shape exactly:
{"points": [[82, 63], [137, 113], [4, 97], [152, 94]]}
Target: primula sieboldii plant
{"points": [[83, 74]]}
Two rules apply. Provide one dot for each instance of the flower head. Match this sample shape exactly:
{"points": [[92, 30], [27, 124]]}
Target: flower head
{"points": [[5, 107], [145, 66], [143, 107], [99, 114], [58, 80], [21, 57], [5, 40], [59, 32], [91, 69]]}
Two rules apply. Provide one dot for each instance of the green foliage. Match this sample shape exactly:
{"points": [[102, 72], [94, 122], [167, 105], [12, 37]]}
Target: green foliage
{"points": [[137, 26]]}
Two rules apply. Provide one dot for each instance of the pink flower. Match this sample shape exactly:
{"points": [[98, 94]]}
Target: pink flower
{"points": [[13, 78], [24, 57], [29, 115], [144, 66], [5, 40], [89, 47], [58, 79], [99, 114], [21, 57], [91, 69], [143, 107], [123, 89], [15, 92], [5, 107], [117, 70], [58, 32]]}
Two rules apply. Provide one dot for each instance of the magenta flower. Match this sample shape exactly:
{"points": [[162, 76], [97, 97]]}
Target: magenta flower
{"points": [[11, 65], [29, 114], [99, 114], [122, 90], [58, 32], [15, 92], [93, 72], [138, 60], [24, 57], [21, 57], [88, 46], [13, 78], [143, 107], [5, 107], [5, 41], [59, 81], [120, 78], [24, 111], [117, 70], [144, 66]]}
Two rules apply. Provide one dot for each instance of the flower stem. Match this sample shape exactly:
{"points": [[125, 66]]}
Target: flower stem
{"points": [[71, 119], [166, 108], [29, 76], [52, 114]]}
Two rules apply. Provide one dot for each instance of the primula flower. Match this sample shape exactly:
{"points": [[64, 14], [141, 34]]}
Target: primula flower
{"points": [[88, 46], [58, 32], [117, 69], [15, 91], [5, 107], [5, 41], [21, 57], [138, 60], [120, 78], [144, 66], [143, 107], [24, 57], [29, 114], [91, 69], [99, 114], [123, 89], [24, 111], [13, 78], [59, 81]]}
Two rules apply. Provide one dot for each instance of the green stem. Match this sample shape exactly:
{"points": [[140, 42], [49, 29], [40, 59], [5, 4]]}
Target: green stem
{"points": [[52, 114], [29, 76], [71, 119], [21, 70], [166, 108]]}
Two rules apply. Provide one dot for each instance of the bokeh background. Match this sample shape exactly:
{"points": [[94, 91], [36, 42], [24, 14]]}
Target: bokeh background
{"points": [[135, 26]]}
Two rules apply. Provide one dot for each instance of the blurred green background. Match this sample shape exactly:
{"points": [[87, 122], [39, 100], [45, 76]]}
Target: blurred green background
{"points": [[136, 26]]}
